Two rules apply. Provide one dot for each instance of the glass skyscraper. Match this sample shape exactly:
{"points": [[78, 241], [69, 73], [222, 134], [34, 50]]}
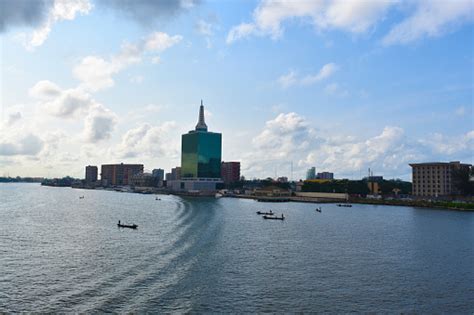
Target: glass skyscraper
{"points": [[201, 151]]}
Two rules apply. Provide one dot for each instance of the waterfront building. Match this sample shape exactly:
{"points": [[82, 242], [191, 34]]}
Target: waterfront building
{"points": [[201, 153], [119, 174], [311, 173], [325, 175], [176, 173], [230, 172], [91, 173], [143, 180], [374, 184], [159, 174], [436, 179], [168, 176]]}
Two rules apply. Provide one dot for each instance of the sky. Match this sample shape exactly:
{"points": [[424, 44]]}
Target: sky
{"points": [[341, 85]]}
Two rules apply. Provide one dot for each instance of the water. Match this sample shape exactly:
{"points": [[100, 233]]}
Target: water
{"points": [[62, 253]]}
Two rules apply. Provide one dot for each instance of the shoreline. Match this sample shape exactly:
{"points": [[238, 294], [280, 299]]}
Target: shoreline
{"points": [[395, 202], [446, 205]]}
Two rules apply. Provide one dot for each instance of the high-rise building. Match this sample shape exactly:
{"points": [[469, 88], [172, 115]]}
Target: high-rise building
{"points": [[436, 179], [119, 174], [91, 173], [311, 173], [325, 175], [159, 174], [230, 172], [201, 151]]}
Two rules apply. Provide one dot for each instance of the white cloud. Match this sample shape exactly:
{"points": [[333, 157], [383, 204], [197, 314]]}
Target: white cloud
{"points": [[45, 90], [18, 144], [240, 31], [449, 146], [283, 135], [432, 18], [159, 41], [60, 11], [426, 18], [99, 124], [356, 16], [288, 79], [147, 141], [290, 137], [13, 118], [96, 73], [68, 103], [326, 71], [99, 121], [291, 78]]}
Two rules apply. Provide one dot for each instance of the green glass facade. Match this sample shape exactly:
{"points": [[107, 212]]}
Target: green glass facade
{"points": [[201, 154]]}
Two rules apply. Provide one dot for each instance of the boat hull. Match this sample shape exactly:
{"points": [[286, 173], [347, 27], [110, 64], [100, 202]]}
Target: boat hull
{"points": [[273, 218], [134, 226]]}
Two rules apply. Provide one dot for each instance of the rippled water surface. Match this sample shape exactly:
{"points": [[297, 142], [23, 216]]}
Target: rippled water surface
{"points": [[62, 253]]}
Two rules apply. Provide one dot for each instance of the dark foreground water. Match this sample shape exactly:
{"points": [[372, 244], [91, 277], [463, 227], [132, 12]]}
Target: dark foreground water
{"points": [[62, 253]]}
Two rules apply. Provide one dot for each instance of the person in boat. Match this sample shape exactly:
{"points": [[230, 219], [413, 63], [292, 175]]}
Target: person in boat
{"points": [[119, 222]]}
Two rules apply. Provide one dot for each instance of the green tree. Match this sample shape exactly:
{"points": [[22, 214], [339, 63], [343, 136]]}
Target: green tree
{"points": [[461, 181]]}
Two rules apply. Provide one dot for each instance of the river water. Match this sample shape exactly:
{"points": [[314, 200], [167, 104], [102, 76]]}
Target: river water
{"points": [[62, 253]]}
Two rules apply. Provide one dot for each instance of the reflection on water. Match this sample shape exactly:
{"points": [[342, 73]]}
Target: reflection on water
{"points": [[62, 253]]}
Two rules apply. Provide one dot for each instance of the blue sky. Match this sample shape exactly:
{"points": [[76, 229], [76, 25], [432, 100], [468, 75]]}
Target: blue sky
{"points": [[339, 85]]}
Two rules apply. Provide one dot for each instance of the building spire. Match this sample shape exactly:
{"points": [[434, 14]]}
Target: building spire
{"points": [[201, 125]]}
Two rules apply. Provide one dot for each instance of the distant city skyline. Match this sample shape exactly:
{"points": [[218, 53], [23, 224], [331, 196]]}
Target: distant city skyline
{"points": [[342, 86]]}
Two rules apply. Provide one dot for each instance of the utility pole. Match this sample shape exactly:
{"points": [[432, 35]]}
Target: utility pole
{"points": [[291, 176]]}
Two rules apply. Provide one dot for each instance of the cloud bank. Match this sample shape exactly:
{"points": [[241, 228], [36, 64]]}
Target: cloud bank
{"points": [[426, 18], [289, 137]]}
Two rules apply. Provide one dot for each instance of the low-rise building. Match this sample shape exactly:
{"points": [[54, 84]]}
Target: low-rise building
{"points": [[325, 175], [230, 172], [436, 179], [119, 174], [144, 180], [195, 185], [373, 183]]}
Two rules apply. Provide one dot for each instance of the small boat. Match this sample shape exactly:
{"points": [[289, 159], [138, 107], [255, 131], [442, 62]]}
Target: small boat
{"points": [[266, 213], [319, 209], [133, 226], [344, 205], [81, 197], [268, 217], [157, 198], [218, 195]]}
